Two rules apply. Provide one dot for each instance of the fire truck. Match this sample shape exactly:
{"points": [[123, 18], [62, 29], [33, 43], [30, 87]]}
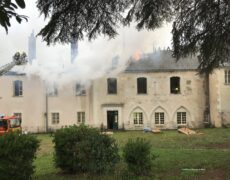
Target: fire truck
{"points": [[11, 123]]}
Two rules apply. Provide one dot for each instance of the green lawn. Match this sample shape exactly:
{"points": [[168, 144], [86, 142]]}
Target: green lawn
{"points": [[205, 156]]}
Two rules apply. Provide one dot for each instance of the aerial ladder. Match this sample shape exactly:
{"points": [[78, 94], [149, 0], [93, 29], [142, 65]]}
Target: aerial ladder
{"points": [[18, 59]]}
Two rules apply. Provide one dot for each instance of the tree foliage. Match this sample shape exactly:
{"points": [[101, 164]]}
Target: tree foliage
{"points": [[202, 27], [8, 10]]}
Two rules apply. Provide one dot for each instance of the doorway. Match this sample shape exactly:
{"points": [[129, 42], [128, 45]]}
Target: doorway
{"points": [[112, 120]]}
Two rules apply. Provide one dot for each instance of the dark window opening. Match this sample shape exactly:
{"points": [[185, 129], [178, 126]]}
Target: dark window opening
{"points": [[18, 91], [80, 90], [112, 85], [142, 85], [175, 85]]}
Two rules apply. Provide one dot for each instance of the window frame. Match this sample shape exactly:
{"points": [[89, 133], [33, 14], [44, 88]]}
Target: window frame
{"points": [[142, 85], [181, 118], [227, 77], [18, 115], [18, 88], [81, 117], [55, 118], [138, 118], [159, 118]]}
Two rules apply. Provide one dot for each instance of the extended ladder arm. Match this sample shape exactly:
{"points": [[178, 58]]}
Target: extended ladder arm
{"points": [[18, 59]]}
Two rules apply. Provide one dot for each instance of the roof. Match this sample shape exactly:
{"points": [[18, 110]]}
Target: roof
{"points": [[162, 61]]}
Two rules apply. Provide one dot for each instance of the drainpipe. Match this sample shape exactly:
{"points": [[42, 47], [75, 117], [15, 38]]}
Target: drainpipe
{"points": [[47, 112], [207, 99]]}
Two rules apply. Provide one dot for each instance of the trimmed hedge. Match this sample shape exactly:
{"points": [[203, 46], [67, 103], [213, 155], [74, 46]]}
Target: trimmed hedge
{"points": [[137, 154], [83, 149], [17, 152]]}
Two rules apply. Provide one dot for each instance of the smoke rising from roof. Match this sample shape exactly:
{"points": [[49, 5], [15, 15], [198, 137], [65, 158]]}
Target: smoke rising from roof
{"points": [[94, 58]]}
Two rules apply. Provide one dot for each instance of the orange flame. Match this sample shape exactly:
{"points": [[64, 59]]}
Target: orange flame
{"points": [[137, 55]]}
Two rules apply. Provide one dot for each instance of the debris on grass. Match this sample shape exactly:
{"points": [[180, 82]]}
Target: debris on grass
{"points": [[188, 131]]}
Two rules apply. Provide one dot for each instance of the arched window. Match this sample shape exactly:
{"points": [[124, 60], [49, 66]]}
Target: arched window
{"points": [[18, 88], [175, 85], [112, 86], [142, 85]]}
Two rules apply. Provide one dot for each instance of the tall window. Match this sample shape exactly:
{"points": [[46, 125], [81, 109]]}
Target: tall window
{"points": [[175, 85], [159, 118], [55, 118], [141, 85], [112, 85], [227, 77], [181, 117], [81, 117], [19, 116], [80, 90], [18, 88], [138, 118]]}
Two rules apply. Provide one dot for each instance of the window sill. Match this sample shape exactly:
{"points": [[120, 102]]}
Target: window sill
{"points": [[17, 96]]}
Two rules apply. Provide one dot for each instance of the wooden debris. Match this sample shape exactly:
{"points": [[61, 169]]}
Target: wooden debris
{"points": [[156, 130], [186, 131], [107, 133]]}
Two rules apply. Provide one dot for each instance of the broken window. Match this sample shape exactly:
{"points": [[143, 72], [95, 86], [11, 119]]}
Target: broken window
{"points": [[138, 118], [141, 85], [112, 85], [181, 117], [80, 90], [55, 118], [175, 85], [81, 117], [159, 118], [227, 77], [18, 88]]}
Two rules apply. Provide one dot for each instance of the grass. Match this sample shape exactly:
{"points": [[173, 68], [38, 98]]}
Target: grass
{"points": [[205, 156]]}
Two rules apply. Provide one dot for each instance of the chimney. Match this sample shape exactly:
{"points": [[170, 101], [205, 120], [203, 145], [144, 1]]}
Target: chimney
{"points": [[32, 47], [74, 49]]}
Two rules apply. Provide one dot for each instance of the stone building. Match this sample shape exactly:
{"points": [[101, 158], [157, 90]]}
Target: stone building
{"points": [[155, 91]]}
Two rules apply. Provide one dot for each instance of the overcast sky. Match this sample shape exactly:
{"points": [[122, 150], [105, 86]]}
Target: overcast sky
{"points": [[92, 55]]}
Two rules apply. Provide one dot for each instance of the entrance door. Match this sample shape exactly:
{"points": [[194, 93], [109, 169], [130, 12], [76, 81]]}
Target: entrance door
{"points": [[112, 120]]}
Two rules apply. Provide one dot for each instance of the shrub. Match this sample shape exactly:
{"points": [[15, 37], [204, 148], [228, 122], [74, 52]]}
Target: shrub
{"points": [[137, 154], [17, 152], [83, 149]]}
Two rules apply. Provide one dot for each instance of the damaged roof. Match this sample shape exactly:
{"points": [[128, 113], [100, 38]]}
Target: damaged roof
{"points": [[161, 61]]}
